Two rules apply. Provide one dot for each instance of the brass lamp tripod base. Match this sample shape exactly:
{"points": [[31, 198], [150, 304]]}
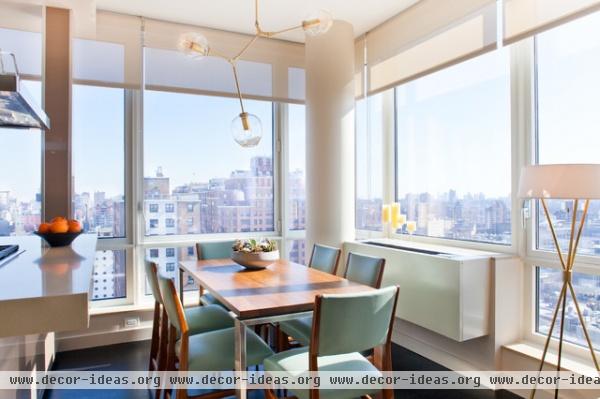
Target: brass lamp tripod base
{"points": [[567, 269]]}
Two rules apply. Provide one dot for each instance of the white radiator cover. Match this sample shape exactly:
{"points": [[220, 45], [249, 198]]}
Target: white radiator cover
{"points": [[449, 294]]}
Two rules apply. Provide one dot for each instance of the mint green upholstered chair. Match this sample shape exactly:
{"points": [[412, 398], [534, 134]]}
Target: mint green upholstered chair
{"points": [[361, 269], [212, 250], [201, 319], [338, 340], [325, 258], [209, 351]]}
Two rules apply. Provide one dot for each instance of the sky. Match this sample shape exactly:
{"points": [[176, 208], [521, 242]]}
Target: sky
{"points": [[454, 127], [189, 136]]}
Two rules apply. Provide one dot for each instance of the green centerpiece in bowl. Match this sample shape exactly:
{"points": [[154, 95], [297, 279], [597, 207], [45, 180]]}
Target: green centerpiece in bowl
{"points": [[255, 254]]}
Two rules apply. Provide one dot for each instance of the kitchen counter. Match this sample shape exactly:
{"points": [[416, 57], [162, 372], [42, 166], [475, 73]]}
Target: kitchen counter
{"points": [[45, 289]]}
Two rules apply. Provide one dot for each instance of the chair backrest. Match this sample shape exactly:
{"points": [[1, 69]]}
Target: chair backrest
{"points": [[214, 250], [172, 304], [364, 269], [335, 330], [151, 274], [325, 258]]}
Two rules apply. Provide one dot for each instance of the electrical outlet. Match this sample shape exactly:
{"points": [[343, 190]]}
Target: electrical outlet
{"points": [[131, 322]]}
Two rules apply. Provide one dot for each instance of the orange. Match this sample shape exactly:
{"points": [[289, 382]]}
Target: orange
{"points": [[44, 228], [59, 226], [58, 219], [74, 226]]}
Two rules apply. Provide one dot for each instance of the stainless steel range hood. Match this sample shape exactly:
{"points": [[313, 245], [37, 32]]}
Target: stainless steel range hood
{"points": [[17, 108]]}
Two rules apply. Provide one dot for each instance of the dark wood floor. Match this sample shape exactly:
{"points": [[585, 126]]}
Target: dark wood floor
{"points": [[134, 356]]}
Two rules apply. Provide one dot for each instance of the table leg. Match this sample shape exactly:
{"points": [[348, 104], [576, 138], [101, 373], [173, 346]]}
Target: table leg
{"points": [[181, 285], [240, 357]]}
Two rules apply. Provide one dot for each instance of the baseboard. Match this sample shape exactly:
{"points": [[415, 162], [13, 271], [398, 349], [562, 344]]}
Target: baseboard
{"points": [[432, 353], [102, 338]]}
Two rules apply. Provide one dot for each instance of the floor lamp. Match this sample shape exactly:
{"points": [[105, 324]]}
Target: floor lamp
{"points": [[568, 182]]}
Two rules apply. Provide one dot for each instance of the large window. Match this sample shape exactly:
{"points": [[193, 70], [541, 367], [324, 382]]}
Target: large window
{"points": [[369, 163], [98, 170], [167, 261], [568, 83], [108, 280], [453, 165], [20, 187], [297, 167], [98, 159], [295, 228], [568, 90], [197, 180]]}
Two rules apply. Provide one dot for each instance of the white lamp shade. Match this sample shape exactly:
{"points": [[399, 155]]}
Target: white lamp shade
{"points": [[565, 181]]}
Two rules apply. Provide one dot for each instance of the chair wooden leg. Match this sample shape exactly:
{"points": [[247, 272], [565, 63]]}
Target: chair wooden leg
{"points": [[170, 366], [283, 342], [155, 337], [162, 346], [200, 293], [270, 394], [182, 394]]}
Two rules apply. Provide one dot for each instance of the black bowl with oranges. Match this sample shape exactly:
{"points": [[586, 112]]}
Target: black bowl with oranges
{"points": [[59, 232]]}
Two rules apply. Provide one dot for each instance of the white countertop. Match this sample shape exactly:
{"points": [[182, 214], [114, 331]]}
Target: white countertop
{"points": [[45, 289]]}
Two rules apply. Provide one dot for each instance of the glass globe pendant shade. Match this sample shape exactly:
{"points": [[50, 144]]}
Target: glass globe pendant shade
{"points": [[193, 45], [317, 23], [246, 130]]}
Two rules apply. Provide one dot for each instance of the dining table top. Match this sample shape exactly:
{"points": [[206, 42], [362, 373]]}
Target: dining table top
{"points": [[281, 288]]}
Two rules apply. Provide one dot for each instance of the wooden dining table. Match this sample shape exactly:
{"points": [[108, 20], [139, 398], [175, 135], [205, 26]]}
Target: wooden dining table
{"points": [[282, 291]]}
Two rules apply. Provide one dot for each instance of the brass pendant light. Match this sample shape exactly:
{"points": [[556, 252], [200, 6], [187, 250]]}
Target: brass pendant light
{"points": [[246, 128]]}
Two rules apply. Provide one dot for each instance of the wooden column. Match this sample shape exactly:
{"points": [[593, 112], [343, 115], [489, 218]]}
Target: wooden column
{"points": [[57, 103]]}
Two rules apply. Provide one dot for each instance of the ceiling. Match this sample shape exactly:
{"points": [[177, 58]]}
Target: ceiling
{"points": [[238, 15]]}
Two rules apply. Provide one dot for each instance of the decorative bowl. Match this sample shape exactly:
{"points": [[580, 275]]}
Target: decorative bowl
{"points": [[255, 260], [58, 239]]}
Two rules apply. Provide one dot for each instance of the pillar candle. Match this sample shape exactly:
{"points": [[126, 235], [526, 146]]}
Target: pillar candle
{"points": [[395, 209], [385, 214], [402, 219]]}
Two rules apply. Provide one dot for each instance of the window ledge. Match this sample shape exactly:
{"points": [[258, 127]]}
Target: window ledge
{"points": [[569, 362], [120, 309]]}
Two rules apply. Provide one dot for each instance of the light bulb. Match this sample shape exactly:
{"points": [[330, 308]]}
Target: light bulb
{"points": [[317, 23], [246, 130], [193, 45]]}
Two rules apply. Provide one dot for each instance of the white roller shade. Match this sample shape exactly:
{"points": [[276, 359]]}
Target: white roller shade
{"points": [[523, 18], [21, 16], [20, 34], [263, 70], [359, 66], [297, 84], [112, 56], [429, 36], [168, 69]]}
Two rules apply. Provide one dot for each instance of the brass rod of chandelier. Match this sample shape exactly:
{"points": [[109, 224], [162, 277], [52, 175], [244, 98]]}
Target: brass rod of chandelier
{"points": [[245, 48], [562, 261], [237, 85], [563, 291], [572, 237], [580, 230], [256, 13], [585, 331], [560, 340], [213, 53], [275, 33]]}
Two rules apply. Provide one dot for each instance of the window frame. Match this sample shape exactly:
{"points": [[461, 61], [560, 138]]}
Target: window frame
{"points": [[516, 162], [287, 234], [388, 159], [531, 256], [121, 243], [143, 242]]}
